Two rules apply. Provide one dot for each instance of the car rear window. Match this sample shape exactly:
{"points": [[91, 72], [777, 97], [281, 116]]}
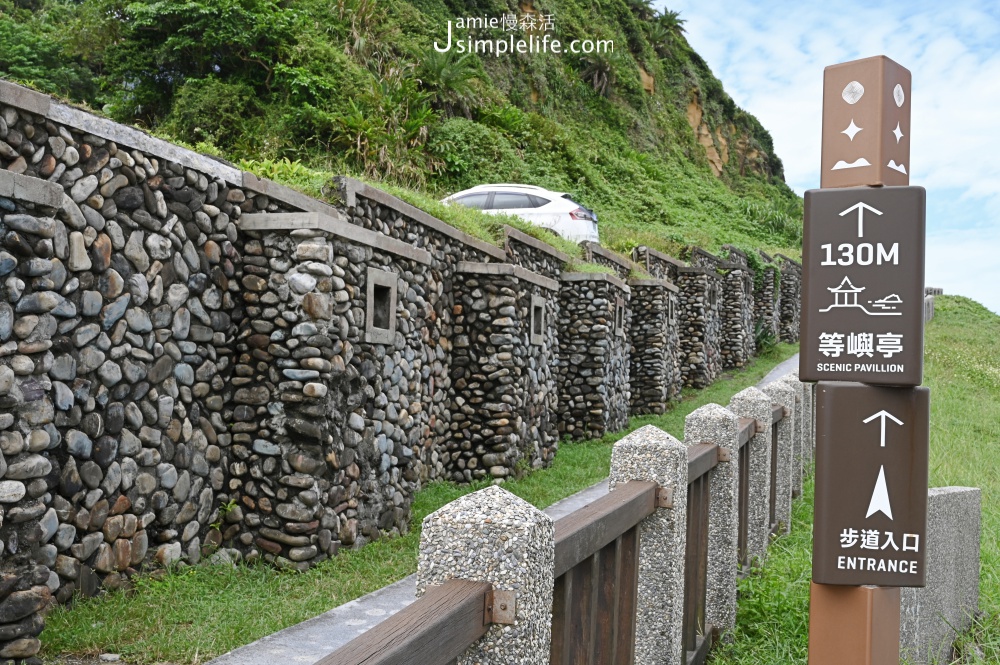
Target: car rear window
{"points": [[538, 201], [477, 201]]}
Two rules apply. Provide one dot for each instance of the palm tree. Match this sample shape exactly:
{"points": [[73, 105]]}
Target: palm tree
{"points": [[658, 36], [450, 80], [672, 22], [598, 70], [643, 9]]}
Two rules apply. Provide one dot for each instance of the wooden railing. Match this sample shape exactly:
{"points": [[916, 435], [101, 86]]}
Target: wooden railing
{"points": [[435, 630], [748, 428], [597, 578], [697, 636], [777, 415]]}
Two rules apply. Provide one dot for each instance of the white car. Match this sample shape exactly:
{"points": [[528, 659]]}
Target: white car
{"points": [[551, 210]]}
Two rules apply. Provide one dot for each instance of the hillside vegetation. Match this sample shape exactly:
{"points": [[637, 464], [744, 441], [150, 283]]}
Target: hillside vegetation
{"points": [[298, 90]]}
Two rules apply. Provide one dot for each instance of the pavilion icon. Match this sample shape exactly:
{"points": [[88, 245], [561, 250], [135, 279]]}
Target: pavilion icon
{"points": [[846, 295]]}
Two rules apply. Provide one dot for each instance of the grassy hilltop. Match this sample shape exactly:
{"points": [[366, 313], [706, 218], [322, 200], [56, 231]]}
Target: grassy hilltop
{"points": [[300, 89]]}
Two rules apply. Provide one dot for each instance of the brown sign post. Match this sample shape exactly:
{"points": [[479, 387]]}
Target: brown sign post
{"points": [[871, 485], [863, 286], [862, 321]]}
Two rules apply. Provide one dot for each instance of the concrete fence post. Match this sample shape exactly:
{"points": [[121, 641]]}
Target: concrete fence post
{"points": [[653, 455], [931, 617], [801, 421], [493, 536], [752, 403], [716, 424], [783, 394]]}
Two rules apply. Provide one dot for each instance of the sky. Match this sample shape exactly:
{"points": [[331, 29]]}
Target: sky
{"points": [[770, 57]]}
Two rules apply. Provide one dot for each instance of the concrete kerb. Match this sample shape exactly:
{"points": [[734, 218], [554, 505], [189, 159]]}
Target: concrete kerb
{"points": [[931, 617], [783, 394], [651, 454], [493, 536], [752, 403], [717, 424]]}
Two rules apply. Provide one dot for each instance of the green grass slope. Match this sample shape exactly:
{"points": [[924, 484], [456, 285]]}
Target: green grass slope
{"points": [[300, 89]]}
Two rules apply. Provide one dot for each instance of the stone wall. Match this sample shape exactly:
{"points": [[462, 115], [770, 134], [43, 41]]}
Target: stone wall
{"points": [[197, 362], [790, 301], [593, 355], [504, 393], [767, 308], [700, 326], [657, 264], [533, 254], [654, 374], [333, 416], [736, 340], [373, 209], [605, 257], [123, 308]]}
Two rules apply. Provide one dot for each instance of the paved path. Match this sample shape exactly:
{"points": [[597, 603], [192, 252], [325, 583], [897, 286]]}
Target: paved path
{"points": [[310, 640]]}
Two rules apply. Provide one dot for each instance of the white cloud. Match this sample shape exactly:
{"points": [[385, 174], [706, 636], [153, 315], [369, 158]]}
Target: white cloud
{"points": [[770, 58]]}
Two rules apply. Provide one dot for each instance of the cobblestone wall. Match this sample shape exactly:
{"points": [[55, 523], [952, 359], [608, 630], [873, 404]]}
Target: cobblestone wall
{"points": [[700, 326], [593, 355], [790, 300], [657, 264], [504, 392], [198, 363], [604, 257], [534, 255], [736, 339], [654, 374]]}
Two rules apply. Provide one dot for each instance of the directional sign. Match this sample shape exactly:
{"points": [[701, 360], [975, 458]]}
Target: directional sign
{"points": [[863, 286], [866, 124], [871, 485]]}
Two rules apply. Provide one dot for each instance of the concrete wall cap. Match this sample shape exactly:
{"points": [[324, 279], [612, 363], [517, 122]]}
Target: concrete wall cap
{"points": [[510, 233], [291, 221], [288, 195], [699, 271], [350, 189], [789, 260], [603, 252], [595, 276], [476, 268], [24, 98], [33, 190], [641, 283], [660, 255]]}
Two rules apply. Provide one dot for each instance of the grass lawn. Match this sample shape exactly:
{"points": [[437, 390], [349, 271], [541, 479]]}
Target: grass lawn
{"points": [[962, 369], [193, 615]]}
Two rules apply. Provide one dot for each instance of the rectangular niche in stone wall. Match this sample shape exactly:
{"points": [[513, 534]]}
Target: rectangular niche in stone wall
{"points": [[713, 294], [620, 317], [671, 310], [537, 320], [380, 313]]}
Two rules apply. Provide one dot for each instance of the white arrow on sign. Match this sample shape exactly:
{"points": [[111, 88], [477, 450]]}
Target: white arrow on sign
{"points": [[883, 414], [861, 206], [880, 497]]}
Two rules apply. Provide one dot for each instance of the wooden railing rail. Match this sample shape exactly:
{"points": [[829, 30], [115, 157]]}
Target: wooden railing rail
{"points": [[585, 531], [697, 636], [435, 630], [777, 415], [597, 577]]}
